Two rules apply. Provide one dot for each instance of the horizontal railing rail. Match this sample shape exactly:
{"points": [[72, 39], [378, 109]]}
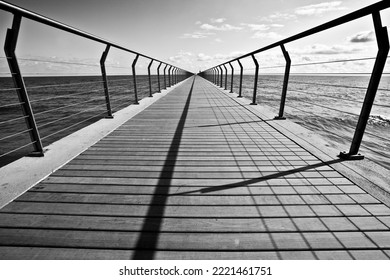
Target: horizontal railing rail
{"points": [[87, 104], [216, 74]]}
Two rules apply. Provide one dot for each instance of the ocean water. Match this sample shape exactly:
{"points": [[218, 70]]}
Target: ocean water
{"points": [[61, 106], [328, 105]]}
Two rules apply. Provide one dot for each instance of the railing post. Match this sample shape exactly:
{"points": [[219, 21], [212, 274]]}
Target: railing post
{"points": [[226, 75], [380, 62], [220, 68], [105, 83], [150, 79], [231, 82], [285, 83], [241, 74], [9, 48], [254, 101], [165, 79], [217, 77], [214, 73], [169, 75], [158, 77], [135, 79]]}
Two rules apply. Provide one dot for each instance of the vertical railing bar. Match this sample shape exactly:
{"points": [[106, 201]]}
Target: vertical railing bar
{"points": [[285, 83], [169, 75], [150, 79], [135, 80], [105, 82], [226, 75], [18, 80], [158, 77], [254, 99], [380, 62], [231, 82], [165, 79], [220, 68], [241, 76]]}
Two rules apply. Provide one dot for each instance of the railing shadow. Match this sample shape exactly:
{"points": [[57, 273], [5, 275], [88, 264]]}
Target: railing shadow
{"points": [[261, 179], [147, 242]]}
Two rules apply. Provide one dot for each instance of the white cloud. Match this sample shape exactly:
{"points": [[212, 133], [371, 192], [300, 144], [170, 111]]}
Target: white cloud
{"points": [[182, 57], [218, 20], [223, 27], [362, 37], [217, 40], [219, 57], [321, 8], [328, 50], [267, 35], [196, 35], [203, 57], [275, 17], [198, 22], [261, 27]]}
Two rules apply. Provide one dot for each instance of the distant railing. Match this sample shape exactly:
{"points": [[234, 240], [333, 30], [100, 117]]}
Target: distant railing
{"points": [[174, 73], [215, 74]]}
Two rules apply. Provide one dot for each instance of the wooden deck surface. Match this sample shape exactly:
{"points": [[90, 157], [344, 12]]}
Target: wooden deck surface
{"points": [[195, 176]]}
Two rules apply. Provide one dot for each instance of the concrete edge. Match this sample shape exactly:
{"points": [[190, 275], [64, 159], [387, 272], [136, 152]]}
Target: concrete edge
{"points": [[21, 175], [368, 175]]}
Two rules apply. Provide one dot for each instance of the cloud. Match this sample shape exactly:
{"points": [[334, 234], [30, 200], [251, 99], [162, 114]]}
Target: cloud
{"points": [[217, 40], [181, 57], [198, 22], [196, 35], [267, 35], [221, 57], [362, 37], [261, 27], [203, 57], [321, 8], [218, 20], [275, 17], [223, 27], [328, 50]]}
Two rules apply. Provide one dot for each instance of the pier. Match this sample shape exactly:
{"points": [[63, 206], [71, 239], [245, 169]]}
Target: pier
{"points": [[196, 173]]}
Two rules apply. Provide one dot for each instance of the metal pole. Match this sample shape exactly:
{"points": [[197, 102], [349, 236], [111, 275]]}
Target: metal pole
{"points": [[9, 48], [135, 79], [165, 79], [169, 75], [105, 83], [226, 74], [231, 82], [254, 101], [220, 68], [150, 79], [285, 83], [241, 73], [217, 76], [158, 77], [380, 62]]}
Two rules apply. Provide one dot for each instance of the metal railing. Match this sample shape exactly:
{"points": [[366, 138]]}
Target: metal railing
{"points": [[175, 75], [215, 74]]}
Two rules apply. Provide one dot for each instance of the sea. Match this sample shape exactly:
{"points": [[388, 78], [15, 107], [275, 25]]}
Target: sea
{"points": [[328, 105]]}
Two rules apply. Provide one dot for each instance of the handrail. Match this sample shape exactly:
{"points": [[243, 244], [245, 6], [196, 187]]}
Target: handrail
{"points": [[380, 61], [175, 73]]}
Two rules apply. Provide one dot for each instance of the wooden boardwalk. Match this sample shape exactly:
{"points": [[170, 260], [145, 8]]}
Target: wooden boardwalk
{"points": [[195, 176]]}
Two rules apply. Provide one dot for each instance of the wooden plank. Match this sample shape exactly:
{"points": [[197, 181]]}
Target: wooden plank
{"points": [[134, 224]]}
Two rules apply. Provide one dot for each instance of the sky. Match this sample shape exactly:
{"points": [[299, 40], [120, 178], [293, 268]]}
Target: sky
{"points": [[191, 34]]}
